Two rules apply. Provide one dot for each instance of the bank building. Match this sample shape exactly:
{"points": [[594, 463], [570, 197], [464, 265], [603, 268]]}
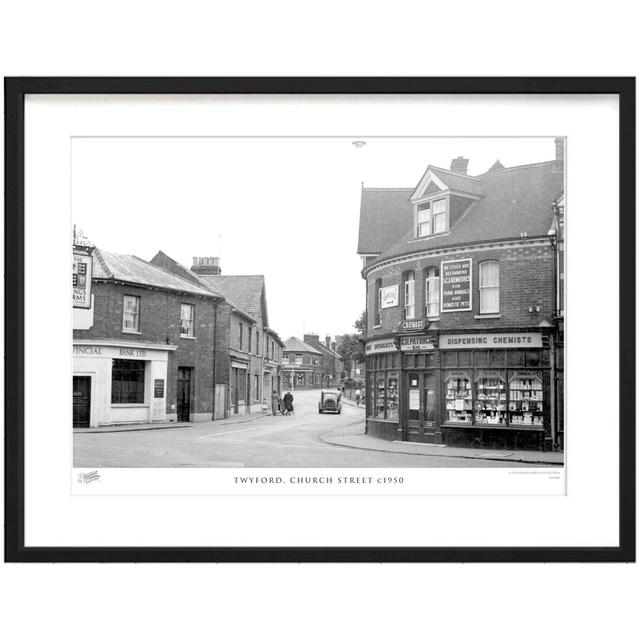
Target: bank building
{"points": [[465, 306]]}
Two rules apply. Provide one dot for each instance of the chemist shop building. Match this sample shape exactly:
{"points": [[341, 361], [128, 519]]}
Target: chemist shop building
{"points": [[464, 340], [143, 343]]}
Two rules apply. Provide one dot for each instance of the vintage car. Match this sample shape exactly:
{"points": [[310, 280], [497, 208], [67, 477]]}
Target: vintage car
{"points": [[330, 402]]}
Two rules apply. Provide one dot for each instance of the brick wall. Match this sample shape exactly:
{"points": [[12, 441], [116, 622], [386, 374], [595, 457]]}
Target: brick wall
{"points": [[526, 276], [159, 323]]}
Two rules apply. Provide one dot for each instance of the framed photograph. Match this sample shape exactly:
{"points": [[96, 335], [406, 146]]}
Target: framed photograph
{"points": [[320, 319]]}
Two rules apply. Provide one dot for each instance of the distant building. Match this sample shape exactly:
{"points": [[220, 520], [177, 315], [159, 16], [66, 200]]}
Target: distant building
{"points": [[301, 365], [331, 360]]}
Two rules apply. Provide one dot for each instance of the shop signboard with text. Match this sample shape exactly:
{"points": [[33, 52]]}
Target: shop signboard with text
{"points": [[455, 285]]}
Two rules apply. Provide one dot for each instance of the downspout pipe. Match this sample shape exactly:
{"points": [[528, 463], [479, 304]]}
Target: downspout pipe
{"points": [[215, 347]]}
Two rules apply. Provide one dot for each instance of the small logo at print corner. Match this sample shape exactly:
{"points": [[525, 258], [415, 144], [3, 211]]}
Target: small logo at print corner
{"points": [[86, 478]]}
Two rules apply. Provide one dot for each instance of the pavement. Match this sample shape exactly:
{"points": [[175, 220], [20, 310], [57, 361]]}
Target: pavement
{"points": [[347, 435], [115, 428]]}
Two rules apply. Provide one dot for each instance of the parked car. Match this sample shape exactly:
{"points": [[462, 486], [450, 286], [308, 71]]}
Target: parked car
{"points": [[330, 402]]}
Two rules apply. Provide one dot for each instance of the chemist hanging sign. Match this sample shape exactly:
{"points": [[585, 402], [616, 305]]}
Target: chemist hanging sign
{"points": [[455, 285], [82, 280]]}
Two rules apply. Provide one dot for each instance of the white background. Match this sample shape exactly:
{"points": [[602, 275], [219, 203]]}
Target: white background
{"points": [[314, 601], [587, 516]]}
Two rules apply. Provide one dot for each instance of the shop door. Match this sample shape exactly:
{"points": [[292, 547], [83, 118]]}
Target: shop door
{"points": [[422, 407], [81, 401], [184, 393]]}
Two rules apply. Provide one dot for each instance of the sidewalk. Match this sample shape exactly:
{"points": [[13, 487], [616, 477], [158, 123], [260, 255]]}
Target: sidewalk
{"points": [[237, 419], [354, 437]]}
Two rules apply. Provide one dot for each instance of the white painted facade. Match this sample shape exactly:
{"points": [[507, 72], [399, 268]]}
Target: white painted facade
{"points": [[94, 358]]}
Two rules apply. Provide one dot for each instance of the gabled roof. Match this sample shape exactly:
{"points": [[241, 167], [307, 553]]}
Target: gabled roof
{"points": [[451, 180], [385, 214], [162, 260], [330, 352], [516, 200], [133, 270], [295, 344], [247, 293]]}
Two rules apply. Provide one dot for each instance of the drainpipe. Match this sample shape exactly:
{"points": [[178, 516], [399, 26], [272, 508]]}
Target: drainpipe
{"points": [[552, 355], [215, 346]]}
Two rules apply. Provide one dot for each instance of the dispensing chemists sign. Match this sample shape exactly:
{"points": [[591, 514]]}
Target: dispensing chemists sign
{"points": [[455, 285], [82, 281]]}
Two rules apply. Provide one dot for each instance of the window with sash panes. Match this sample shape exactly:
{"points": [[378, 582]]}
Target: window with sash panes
{"points": [[131, 313], [432, 292], [409, 296], [186, 320], [490, 286], [432, 217]]}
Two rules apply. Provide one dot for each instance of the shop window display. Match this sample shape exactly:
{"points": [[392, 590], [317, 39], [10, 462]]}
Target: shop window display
{"points": [[526, 399], [458, 398], [380, 397], [392, 396], [491, 399]]}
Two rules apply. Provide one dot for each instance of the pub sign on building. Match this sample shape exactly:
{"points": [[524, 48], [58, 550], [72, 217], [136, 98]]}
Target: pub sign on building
{"points": [[464, 341]]}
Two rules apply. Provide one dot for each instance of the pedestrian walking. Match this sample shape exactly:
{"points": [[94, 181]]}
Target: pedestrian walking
{"points": [[358, 397], [275, 402], [288, 403]]}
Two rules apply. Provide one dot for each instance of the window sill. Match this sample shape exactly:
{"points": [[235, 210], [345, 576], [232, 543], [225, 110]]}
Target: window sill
{"points": [[129, 405], [377, 326], [488, 316], [132, 331], [503, 427], [432, 318], [187, 337]]}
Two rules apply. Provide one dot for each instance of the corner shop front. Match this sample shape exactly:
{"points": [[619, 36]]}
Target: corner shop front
{"points": [[474, 389]]}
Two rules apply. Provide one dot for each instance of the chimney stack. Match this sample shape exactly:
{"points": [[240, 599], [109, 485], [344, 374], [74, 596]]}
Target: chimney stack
{"points": [[312, 339], [206, 266], [459, 165], [327, 341]]}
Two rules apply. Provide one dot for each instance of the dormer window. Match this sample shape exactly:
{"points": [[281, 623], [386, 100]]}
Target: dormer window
{"points": [[432, 217]]}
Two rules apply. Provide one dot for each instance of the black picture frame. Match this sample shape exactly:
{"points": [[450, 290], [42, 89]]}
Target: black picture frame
{"points": [[15, 91]]}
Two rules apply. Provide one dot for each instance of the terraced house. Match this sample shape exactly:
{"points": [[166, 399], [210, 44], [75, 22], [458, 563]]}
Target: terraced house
{"points": [[253, 350], [464, 297], [144, 345]]}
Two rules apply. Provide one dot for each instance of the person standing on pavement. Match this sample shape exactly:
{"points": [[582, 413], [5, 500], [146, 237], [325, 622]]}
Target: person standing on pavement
{"points": [[288, 403], [358, 397], [275, 402]]}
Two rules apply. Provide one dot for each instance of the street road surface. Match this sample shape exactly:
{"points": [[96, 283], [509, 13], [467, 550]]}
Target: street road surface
{"points": [[272, 441]]}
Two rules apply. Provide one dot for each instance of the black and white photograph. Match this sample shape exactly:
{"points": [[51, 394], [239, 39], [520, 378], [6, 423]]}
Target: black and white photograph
{"points": [[318, 302]]}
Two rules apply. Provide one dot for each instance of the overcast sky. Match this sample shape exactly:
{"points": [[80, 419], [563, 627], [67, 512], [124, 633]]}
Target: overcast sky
{"points": [[287, 208]]}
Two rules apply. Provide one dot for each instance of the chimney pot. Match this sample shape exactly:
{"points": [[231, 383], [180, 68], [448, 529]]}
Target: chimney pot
{"points": [[206, 266]]}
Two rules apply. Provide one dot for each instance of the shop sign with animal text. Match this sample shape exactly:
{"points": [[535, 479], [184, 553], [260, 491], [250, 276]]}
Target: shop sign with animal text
{"points": [[455, 285]]}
